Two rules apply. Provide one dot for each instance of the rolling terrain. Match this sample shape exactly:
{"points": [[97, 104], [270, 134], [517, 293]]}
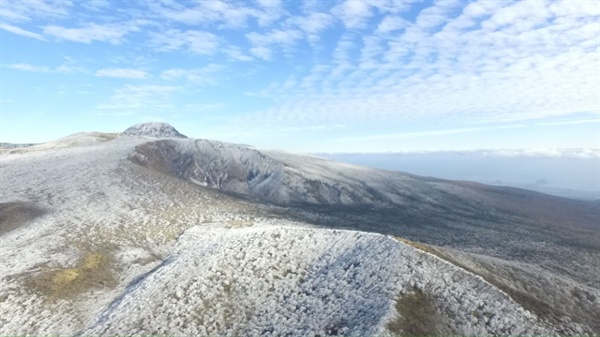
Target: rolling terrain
{"points": [[150, 232]]}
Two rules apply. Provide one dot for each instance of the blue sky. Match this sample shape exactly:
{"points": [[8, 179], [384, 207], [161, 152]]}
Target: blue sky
{"points": [[307, 76]]}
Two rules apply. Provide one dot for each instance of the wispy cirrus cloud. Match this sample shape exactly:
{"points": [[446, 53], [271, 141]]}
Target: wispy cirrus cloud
{"points": [[354, 14], [449, 65], [226, 15], [312, 25], [208, 75], [205, 107], [392, 23], [263, 44], [23, 11], [64, 68], [571, 122], [431, 133], [21, 31], [130, 98], [30, 67], [199, 42], [111, 33], [122, 73], [97, 5], [483, 62]]}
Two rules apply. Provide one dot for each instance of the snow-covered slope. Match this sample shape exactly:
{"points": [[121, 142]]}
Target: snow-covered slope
{"points": [[94, 242], [153, 129], [74, 140], [278, 177], [279, 281]]}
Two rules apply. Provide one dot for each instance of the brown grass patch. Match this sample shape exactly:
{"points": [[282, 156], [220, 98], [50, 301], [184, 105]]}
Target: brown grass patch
{"points": [[93, 271], [417, 316]]}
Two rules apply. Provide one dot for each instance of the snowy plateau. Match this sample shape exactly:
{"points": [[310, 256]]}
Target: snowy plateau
{"points": [[148, 232]]}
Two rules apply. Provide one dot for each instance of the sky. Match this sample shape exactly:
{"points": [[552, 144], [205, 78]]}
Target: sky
{"points": [[307, 76]]}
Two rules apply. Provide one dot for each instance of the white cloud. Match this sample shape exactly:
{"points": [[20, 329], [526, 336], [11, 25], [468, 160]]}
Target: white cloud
{"points": [[262, 44], [261, 52], [135, 97], [22, 11], [481, 8], [234, 53], [432, 133], [350, 62], [278, 37], [532, 12], [575, 8], [227, 15], [270, 4], [91, 32], [30, 67], [269, 12], [392, 23], [205, 107], [96, 5], [312, 24], [354, 14], [571, 122], [122, 73], [66, 67], [208, 75], [20, 31], [343, 49], [199, 42], [447, 67]]}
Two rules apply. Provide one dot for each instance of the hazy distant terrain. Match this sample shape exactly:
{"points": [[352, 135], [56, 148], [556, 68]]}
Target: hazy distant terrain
{"points": [[573, 175], [120, 234]]}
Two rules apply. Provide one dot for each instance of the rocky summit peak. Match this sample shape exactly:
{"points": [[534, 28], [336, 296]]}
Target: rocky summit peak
{"points": [[153, 129]]}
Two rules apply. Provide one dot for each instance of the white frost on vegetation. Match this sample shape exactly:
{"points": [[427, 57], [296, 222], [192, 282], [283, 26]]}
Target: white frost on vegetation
{"points": [[228, 274], [292, 281]]}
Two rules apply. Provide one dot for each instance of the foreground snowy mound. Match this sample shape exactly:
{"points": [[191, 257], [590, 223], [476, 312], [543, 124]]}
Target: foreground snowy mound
{"points": [[153, 129], [305, 282]]}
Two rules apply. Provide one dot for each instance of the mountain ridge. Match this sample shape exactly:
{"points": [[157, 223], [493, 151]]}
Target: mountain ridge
{"points": [[127, 211]]}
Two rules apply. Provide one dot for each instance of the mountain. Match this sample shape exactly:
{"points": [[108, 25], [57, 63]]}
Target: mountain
{"points": [[153, 129], [148, 233]]}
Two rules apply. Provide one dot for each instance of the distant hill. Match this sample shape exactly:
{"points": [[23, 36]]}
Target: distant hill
{"points": [[153, 129]]}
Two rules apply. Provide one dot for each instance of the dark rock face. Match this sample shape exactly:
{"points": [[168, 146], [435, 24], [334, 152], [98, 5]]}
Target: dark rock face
{"points": [[156, 130]]}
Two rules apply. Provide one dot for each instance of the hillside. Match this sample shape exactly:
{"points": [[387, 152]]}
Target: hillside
{"points": [[104, 234]]}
